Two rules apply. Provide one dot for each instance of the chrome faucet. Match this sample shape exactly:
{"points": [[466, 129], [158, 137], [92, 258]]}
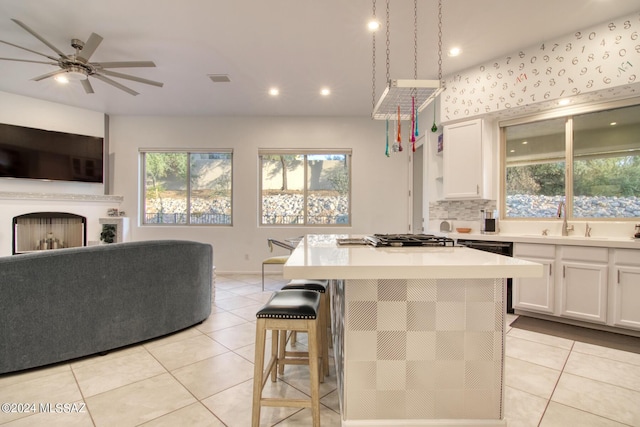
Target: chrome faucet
{"points": [[565, 227]]}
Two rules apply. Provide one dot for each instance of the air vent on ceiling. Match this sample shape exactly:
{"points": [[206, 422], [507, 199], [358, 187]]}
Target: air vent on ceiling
{"points": [[219, 78]]}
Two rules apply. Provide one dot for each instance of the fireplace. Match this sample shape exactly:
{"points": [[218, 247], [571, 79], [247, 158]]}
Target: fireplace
{"points": [[48, 231]]}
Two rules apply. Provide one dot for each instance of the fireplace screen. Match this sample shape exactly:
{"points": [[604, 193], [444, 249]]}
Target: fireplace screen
{"points": [[48, 230]]}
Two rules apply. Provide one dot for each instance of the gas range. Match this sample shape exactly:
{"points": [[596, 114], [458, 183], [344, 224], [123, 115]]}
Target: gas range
{"points": [[397, 240]]}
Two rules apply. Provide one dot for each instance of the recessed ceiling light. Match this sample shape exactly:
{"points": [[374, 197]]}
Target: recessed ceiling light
{"points": [[525, 142], [564, 101], [512, 151], [325, 91], [274, 91], [455, 51], [373, 24], [613, 123]]}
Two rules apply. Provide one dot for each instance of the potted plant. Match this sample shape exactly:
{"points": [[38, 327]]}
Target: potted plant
{"points": [[108, 233]]}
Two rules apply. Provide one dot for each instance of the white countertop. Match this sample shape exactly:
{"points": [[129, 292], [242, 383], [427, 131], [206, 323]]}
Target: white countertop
{"points": [[320, 257], [606, 242]]}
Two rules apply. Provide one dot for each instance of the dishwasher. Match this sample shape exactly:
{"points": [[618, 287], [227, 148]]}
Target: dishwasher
{"points": [[501, 248]]}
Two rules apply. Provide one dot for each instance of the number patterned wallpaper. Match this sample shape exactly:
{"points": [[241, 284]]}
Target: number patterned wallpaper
{"points": [[602, 62]]}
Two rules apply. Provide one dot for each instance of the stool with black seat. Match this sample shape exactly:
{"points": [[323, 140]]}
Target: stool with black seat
{"points": [[289, 310], [322, 287]]}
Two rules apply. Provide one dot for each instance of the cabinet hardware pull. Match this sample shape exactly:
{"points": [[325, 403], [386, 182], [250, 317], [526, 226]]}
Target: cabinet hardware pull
{"points": [[550, 268], [477, 189], [563, 271], [618, 277]]}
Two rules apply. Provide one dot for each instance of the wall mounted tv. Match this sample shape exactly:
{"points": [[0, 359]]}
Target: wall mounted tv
{"points": [[44, 154]]}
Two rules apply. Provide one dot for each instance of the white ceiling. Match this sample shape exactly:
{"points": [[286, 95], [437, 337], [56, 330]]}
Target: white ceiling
{"points": [[296, 45]]}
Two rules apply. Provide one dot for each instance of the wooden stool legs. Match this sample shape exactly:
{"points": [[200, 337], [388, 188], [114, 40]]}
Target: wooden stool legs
{"points": [[324, 316], [323, 336], [260, 376]]}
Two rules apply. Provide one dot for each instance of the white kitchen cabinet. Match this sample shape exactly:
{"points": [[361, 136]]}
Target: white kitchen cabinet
{"points": [[468, 161], [626, 289], [583, 286], [535, 293]]}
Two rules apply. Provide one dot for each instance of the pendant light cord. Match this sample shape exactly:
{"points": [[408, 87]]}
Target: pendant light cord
{"points": [[373, 60], [415, 40], [440, 42], [388, 46]]}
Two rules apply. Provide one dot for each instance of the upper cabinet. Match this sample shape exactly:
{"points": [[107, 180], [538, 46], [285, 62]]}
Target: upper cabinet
{"points": [[468, 161]]}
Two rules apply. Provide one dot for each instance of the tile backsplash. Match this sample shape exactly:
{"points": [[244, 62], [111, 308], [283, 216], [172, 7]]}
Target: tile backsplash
{"points": [[461, 210]]}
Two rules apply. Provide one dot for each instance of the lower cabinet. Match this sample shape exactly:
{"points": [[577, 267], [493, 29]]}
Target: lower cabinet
{"points": [[583, 287], [581, 283], [626, 289], [535, 293], [584, 291]]}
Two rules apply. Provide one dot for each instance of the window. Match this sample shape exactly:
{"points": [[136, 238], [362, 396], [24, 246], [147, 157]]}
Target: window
{"points": [[606, 164], [590, 160], [535, 160], [187, 188], [305, 187]]}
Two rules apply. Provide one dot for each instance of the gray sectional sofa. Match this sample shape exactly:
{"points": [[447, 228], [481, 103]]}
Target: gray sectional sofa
{"points": [[63, 304]]}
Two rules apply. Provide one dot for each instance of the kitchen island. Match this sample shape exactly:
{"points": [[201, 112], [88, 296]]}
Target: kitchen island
{"points": [[418, 331]]}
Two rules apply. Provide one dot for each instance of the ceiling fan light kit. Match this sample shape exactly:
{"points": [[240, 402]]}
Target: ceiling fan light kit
{"points": [[71, 74], [76, 66]]}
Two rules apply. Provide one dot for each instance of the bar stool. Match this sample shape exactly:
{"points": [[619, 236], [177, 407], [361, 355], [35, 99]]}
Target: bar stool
{"points": [[275, 260], [290, 310], [322, 287]]}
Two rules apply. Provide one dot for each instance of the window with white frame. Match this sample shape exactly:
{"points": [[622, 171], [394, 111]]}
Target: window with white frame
{"points": [[590, 161], [186, 187], [305, 187]]}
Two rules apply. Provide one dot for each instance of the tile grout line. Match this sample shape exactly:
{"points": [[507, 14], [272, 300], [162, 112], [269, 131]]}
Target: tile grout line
{"points": [[556, 384], [84, 399], [183, 386]]}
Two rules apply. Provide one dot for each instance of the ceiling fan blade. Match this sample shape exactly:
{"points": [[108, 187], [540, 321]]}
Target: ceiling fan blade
{"points": [[46, 76], [86, 84], [29, 50], [129, 77], [114, 83], [39, 37], [123, 64], [90, 46], [28, 60]]}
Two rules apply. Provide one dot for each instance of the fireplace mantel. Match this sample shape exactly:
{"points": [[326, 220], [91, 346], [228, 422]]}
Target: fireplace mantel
{"points": [[7, 195], [90, 206]]}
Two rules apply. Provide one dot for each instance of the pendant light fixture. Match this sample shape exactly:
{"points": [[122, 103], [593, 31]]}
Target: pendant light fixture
{"points": [[411, 96]]}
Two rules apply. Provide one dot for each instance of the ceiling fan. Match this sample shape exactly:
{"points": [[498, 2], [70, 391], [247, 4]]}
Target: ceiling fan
{"points": [[76, 66]]}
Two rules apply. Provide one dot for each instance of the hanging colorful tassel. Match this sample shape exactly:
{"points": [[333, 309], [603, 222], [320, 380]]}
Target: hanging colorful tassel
{"points": [[412, 138], [394, 147], [399, 131], [416, 133], [386, 150], [434, 128]]}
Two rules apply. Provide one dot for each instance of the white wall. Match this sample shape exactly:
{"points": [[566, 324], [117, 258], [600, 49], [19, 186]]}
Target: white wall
{"points": [[30, 112], [379, 184], [24, 111]]}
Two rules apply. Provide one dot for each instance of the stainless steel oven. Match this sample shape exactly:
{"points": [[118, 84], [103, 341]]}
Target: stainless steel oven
{"points": [[501, 248]]}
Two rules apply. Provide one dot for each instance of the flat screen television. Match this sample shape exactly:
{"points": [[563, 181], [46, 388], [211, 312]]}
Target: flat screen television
{"points": [[43, 154]]}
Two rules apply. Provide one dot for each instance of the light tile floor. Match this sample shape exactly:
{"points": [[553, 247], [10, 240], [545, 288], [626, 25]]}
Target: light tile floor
{"points": [[202, 376]]}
